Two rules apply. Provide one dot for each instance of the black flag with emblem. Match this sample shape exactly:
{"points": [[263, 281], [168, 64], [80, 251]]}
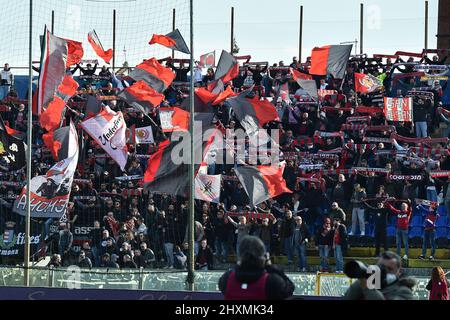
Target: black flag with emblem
{"points": [[12, 151]]}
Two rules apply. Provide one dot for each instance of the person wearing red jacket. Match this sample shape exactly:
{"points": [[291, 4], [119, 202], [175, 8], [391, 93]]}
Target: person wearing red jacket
{"points": [[438, 285], [403, 217]]}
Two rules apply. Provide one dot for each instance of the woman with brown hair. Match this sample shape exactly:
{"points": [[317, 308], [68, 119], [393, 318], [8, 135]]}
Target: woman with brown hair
{"points": [[438, 285]]}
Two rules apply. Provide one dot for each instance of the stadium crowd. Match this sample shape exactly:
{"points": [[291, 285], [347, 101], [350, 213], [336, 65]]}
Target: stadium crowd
{"points": [[357, 179]]}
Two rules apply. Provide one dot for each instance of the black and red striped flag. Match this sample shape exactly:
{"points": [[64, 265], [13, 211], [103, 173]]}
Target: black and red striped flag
{"points": [[262, 182], [173, 40], [154, 74], [330, 60], [227, 69], [141, 96], [251, 112]]}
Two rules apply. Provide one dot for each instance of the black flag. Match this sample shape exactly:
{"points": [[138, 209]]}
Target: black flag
{"points": [[12, 152]]}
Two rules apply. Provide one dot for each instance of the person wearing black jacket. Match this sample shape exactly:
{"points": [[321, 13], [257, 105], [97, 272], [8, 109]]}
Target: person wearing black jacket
{"points": [[204, 260], [222, 231], [340, 242], [254, 277], [381, 215], [95, 236], [286, 233], [420, 110], [300, 239]]}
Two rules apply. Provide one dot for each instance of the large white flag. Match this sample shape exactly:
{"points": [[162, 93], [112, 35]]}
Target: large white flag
{"points": [[207, 187], [108, 129], [50, 193]]}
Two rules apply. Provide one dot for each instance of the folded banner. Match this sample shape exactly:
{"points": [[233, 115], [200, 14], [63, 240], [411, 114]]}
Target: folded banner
{"points": [[98, 47], [439, 174], [419, 140], [208, 60], [129, 178], [330, 60], [377, 139], [50, 193], [324, 134], [207, 187], [370, 110], [352, 127], [108, 129], [358, 119], [398, 109], [367, 83]]}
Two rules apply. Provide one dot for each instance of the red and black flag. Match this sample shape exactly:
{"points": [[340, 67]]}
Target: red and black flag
{"points": [[367, 83], [154, 74], [299, 75], [310, 86], [227, 69], [167, 170], [141, 96], [62, 143], [173, 40], [330, 60], [98, 47], [251, 112], [214, 98], [51, 117], [262, 182], [174, 119]]}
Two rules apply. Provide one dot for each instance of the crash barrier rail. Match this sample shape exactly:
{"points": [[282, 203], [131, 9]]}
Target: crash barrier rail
{"points": [[306, 284]]}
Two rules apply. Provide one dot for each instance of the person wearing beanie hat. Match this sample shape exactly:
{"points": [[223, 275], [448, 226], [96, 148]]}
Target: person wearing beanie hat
{"points": [[254, 277]]}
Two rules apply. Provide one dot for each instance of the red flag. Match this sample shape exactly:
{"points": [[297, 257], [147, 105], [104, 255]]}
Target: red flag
{"points": [[174, 119], [141, 96], [367, 83], [98, 48], [300, 75], [75, 52], [162, 40], [213, 98], [173, 40], [208, 60], [154, 74]]}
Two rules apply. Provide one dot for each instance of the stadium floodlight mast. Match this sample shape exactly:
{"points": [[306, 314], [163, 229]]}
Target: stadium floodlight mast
{"points": [[191, 260], [29, 152]]}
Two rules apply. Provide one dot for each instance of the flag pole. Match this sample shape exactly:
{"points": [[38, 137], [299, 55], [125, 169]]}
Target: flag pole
{"points": [[29, 149], [191, 226]]}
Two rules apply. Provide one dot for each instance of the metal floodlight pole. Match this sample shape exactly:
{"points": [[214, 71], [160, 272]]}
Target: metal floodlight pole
{"points": [[29, 147], [300, 37], [426, 26], [191, 226], [114, 39], [53, 21], [361, 29], [232, 30], [173, 27]]}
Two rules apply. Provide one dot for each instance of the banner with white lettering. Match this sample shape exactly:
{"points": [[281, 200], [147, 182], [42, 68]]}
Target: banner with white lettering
{"points": [[398, 109], [108, 129]]}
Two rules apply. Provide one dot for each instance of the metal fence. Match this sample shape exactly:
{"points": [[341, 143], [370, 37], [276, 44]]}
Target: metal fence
{"points": [[306, 284]]}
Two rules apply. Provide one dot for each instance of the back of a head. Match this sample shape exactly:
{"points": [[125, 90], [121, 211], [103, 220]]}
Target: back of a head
{"points": [[252, 253]]}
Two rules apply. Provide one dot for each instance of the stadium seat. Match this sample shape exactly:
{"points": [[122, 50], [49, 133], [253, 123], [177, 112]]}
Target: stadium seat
{"points": [[416, 221], [415, 232], [442, 210], [391, 232], [442, 233], [442, 221]]}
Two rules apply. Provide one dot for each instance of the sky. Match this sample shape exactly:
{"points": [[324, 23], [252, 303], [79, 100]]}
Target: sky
{"points": [[265, 29]]}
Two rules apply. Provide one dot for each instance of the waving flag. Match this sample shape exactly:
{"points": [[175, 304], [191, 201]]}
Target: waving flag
{"points": [[143, 135], [208, 60], [330, 60], [108, 129], [207, 187], [50, 193], [227, 70], [154, 74], [141, 96], [12, 152], [174, 119], [51, 117], [98, 47], [173, 40], [62, 143], [214, 98], [367, 83], [262, 182], [75, 52], [252, 113]]}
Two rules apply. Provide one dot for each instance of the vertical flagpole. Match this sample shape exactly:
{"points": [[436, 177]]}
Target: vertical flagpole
{"points": [[29, 147], [53, 21], [191, 260]]}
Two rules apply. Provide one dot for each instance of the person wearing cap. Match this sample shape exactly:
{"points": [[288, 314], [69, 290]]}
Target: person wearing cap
{"points": [[254, 277]]}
